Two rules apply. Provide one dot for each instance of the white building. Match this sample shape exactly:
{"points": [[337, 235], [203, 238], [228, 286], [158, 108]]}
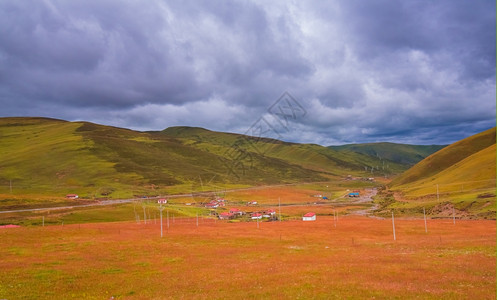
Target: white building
{"points": [[310, 216]]}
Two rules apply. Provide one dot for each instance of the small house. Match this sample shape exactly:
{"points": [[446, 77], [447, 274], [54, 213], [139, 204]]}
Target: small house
{"points": [[256, 216], [225, 216], [269, 213], [72, 196], [236, 211], [310, 216], [162, 201], [212, 205]]}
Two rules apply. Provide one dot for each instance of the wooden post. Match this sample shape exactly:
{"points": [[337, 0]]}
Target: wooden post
{"points": [[453, 215], [424, 214], [438, 196], [393, 226], [160, 208], [144, 215]]}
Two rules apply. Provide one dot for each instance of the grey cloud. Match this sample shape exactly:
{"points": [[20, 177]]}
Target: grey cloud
{"points": [[364, 71]]}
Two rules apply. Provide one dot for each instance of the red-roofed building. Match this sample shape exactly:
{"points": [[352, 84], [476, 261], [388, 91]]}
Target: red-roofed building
{"points": [[162, 201], [268, 213], [310, 216], [212, 205], [72, 196], [225, 216], [236, 211], [256, 216]]}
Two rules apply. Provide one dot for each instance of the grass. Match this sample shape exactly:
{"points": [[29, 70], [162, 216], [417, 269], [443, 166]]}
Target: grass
{"points": [[357, 259], [295, 200], [461, 175], [448, 157], [42, 157], [399, 153]]}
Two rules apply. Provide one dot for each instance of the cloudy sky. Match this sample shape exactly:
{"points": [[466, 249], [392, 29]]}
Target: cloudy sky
{"points": [[355, 71]]}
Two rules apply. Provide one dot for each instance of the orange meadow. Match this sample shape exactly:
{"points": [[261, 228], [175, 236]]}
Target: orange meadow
{"points": [[292, 259]]}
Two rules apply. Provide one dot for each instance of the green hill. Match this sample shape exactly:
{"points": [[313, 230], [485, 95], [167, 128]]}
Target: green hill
{"points": [[399, 153], [447, 157], [462, 175], [41, 156], [308, 156]]}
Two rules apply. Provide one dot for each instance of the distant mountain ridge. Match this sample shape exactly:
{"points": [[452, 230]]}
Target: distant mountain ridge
{"points": [[400, 153]]}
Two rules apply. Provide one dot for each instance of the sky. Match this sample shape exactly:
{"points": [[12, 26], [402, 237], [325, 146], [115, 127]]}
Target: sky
{"points": [[324, 72]]}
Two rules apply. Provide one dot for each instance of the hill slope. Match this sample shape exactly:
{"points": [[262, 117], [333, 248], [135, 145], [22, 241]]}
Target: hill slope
{"points": [[461, 175], [54, 157], [308, 156], [399, 153], [447, 157]]}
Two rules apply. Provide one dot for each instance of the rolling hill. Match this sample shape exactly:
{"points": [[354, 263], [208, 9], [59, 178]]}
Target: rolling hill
{"points": [[400, 153], [54, 157], [308, 156], [451, 155], [462, 175]]}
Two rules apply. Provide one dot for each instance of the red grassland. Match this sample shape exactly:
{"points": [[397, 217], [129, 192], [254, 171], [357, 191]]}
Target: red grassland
{"points": [[356, 259]]}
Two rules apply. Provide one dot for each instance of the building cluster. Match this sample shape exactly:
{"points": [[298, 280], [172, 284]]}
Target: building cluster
{"points": [[234, 213], [218, 202], [354, 193]]}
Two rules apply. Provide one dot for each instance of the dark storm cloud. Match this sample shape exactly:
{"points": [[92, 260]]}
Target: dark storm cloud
{"points": [[407, 71]]}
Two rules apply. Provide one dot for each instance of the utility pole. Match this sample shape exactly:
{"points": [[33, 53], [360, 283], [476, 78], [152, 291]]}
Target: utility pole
{"points": [[393, 226], [424, 214], [11, 186], [279, 207], [144, 215], [335, 218], [160, 209], [438, 196], [160, 201]]}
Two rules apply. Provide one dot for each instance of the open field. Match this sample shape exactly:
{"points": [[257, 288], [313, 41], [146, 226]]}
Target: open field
{"points": [[356, 259], [295, 200]]}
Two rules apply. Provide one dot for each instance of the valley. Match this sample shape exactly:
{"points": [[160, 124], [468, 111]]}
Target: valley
{"points": [[79, 216]]}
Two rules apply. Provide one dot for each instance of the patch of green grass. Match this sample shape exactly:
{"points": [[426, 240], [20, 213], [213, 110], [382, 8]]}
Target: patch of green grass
{"points": [[112, 271]]}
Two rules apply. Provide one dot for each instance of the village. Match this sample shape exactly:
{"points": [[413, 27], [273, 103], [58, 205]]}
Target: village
{"points": [[217, 207]]}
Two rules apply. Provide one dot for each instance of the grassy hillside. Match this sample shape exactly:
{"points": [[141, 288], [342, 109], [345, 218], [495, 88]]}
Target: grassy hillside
{"points": [[447, 157], [308, 156], [461, 176], [48, 157], [40, 155], [399, 153]]}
